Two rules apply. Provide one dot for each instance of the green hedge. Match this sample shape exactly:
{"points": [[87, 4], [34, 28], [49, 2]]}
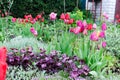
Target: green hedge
{"points": [[22, 7]]}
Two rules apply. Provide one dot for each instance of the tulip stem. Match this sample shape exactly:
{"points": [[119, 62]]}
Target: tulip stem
{"points": [[54, 23]]}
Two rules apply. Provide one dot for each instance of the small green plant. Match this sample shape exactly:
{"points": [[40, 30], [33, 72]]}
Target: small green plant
{"points": [[77, 15], [64, 43]]}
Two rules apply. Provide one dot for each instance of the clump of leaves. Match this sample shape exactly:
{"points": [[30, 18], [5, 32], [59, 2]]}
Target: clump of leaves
{"points": [[50, 63], [20, 42], [113, 41]]}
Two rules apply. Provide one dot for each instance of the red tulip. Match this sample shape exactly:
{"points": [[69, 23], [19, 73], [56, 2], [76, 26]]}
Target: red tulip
{"points": [[26, 20], [71, 21], [3, 64], [67, 16], [62, 16], [14, 19], [39, 16], [25, 16], [89, 26], [3, 51]]}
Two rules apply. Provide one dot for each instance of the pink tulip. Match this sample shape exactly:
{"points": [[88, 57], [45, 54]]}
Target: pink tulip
{"points": [[14, 19], [102, 34], [33, 31], [53, 16], [66, 21], [84, 23], [75, 30], [104, 27], [105, 15], [85, 32], [104, 44], [79, 23], [94, 36]]}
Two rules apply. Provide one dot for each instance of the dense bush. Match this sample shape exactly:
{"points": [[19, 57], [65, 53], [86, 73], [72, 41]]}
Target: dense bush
{"points": [[36, 6], [51, 63], [113, 41]]}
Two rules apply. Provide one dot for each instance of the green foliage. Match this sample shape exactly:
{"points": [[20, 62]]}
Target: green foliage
{"points": [[36, 6], [77, 15], [87, 51], [21, 42], [113, 41], [18, 73], [64, 43]]}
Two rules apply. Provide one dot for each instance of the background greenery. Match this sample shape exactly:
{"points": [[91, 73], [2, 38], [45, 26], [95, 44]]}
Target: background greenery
{"points": [[37, 6]]}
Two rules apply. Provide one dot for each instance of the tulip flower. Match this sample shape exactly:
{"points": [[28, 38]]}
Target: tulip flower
{"points": [[89, 26], [14, 19], [71, 21], [68, 21], [104, 27], [53, 16], [67, 16], [38, 16], [84, 23], [102, 34], [26, 20], [94, 26], [62, 16], [79, 23], [94, 36], [105, 15], [32, 21], [104, 44], [85, 32], [3, 64], [33, 31], [75, 30]]}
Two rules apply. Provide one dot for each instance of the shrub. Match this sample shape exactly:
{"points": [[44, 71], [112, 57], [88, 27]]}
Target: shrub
{"points": [[36, 6], [113, 40]]}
